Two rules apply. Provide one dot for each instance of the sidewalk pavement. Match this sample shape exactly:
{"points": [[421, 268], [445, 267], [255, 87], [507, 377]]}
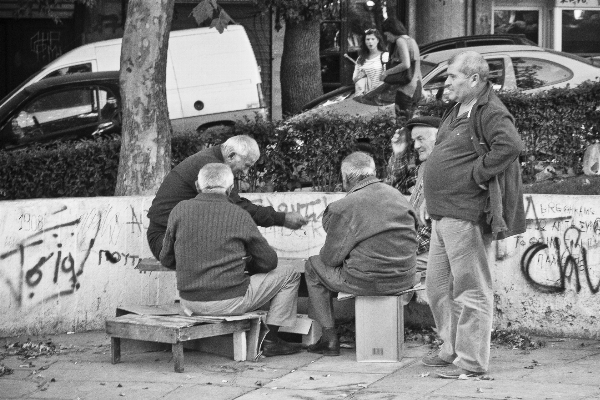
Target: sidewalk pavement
{"points": [[80, 368]]}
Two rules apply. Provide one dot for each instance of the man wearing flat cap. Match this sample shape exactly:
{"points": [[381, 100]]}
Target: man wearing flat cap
{"points": [[408, 179]]}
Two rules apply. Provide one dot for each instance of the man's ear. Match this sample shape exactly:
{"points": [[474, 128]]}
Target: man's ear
{"points": [[198, 187], [228, 191], [475, 78]]}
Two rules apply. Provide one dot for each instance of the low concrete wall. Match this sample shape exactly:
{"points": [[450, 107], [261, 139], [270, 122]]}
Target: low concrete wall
{"points": [[66, 264]]}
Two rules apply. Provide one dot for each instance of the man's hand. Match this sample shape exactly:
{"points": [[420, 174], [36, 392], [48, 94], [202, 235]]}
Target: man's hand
{"points": [[294, 220], [399, 144], [423, 214]]}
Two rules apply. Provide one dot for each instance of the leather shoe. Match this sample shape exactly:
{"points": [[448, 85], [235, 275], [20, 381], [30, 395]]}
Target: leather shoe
{"points": [[278, 347], [326, 347]]}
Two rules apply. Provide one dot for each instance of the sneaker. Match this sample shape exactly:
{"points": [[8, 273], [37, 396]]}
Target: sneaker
{"points": [[457, 373], [434, 361], [279, 347]]}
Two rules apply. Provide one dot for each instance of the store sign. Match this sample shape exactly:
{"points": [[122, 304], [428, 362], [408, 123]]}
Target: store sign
{"points": [[578, 3]]}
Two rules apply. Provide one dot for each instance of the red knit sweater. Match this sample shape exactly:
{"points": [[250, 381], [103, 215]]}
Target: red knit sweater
{"points": [[206, 239]]}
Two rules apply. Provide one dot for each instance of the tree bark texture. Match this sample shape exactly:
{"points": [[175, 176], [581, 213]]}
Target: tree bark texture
{"points": [[300, 66], [146, 136]]}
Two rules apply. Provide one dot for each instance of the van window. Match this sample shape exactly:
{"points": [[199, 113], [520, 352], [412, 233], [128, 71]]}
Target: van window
{"points": [[73, 69]]}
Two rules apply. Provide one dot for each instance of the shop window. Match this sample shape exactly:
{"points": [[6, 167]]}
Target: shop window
{"points": [[361, 15], [524, 22], [580, 32]]}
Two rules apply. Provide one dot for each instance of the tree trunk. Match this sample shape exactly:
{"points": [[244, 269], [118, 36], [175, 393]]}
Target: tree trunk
{"points": [[146, 139], [300, 66]]}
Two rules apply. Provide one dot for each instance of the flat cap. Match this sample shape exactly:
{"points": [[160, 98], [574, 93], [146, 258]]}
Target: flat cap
{"points": [[433, 122]]}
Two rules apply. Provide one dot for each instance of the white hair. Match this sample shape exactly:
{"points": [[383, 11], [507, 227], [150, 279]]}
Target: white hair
{"points": [[215, 177], [471, 63], [242, 145], [357, 166]]}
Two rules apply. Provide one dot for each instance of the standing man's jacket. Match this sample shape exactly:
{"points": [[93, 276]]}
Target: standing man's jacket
{"points": [[504, 206]]}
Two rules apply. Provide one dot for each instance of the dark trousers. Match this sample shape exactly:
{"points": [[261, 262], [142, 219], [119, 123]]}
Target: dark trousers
{"points": [[323, 282]]}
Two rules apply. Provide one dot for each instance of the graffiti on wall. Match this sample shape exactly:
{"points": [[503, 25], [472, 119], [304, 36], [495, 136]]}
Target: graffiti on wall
{"points": [[46, 45], [301, 242], [558, 256], [49, 253]]}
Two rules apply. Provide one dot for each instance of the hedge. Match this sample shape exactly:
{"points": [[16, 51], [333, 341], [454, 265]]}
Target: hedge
{"points": [[556, 126]]}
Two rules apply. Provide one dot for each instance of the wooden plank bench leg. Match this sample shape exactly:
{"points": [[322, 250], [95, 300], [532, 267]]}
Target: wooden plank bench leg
{"points": [[239, 346], [115, 349], [253, 339], [177, 349]]}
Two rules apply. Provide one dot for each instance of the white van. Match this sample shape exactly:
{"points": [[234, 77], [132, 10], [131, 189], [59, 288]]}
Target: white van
{"points": [[213, 79]]}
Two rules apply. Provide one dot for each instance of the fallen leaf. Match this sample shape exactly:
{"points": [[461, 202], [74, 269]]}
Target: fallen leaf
{"points": [[479, 390], [258, 383], [424, 374], [310, 378], [119, 385]]}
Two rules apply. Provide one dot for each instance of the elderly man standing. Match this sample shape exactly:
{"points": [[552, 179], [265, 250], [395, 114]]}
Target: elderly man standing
{"points": [[212, 242], [239, 153], [473, 193], [409, 180], [370, 248]]}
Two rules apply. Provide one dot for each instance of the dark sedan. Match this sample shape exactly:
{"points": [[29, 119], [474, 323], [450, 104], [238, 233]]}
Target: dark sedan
{"points": [[70, 107]]}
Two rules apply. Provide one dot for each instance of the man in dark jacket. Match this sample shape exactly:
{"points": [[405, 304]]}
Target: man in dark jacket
{"points": [[370, 247], [210, 239], [473, 193], [239, 153]]}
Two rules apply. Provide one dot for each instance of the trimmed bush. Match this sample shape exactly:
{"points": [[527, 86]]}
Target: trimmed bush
{"points": [[556, 126]]}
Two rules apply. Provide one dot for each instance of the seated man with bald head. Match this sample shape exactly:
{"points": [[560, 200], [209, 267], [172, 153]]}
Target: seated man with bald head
{"points": [[212, 243], [370, 247]]}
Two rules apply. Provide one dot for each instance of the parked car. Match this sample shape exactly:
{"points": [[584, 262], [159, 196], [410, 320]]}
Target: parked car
{"points": [[512, 67], [71, 107], [212, 79], [475, 41]]}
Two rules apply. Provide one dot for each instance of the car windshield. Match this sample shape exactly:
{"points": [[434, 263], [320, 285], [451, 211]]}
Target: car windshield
{"points": [[15, 90], [385, 94]]}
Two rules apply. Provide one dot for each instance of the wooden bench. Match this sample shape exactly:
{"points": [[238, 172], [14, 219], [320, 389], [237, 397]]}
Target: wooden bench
{"points": [[176, 330], [379, 322]]}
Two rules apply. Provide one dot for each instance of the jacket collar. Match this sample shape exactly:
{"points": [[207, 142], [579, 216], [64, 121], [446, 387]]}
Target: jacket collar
{"points": [[482, 100], [365, 182]]}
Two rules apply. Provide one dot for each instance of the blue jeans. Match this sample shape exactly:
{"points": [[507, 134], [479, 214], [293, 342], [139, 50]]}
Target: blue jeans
{"points": [[459, 288]]}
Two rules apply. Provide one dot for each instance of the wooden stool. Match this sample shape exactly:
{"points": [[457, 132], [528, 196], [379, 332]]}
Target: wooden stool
{"points": [[179, 329]]}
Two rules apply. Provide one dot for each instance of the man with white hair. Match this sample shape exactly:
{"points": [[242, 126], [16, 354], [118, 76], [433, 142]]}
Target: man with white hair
{"points": [[213, 242], [239, 153], [370, 247], [473, 194]]}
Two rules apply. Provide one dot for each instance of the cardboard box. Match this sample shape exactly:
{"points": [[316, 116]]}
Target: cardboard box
{"points": [[307, 327], [379, 328]]}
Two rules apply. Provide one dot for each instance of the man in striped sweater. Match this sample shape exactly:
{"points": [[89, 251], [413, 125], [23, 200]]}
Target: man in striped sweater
{"points": [[224, 265]]}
